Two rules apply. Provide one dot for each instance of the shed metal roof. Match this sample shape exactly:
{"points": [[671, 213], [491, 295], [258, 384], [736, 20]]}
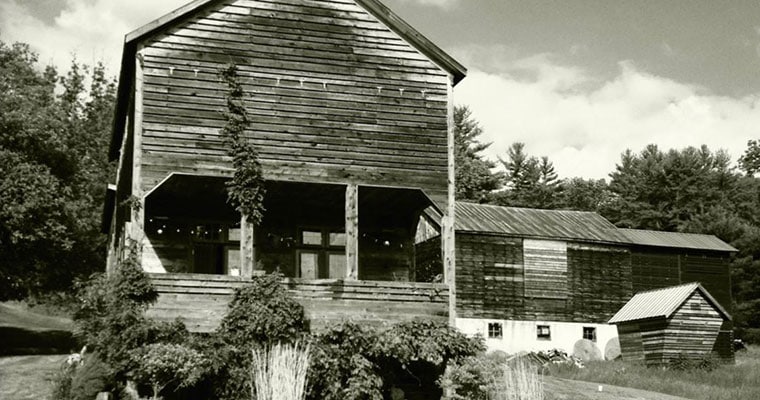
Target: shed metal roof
{"points": [[527, 222], [676, 240], [662, 303]]}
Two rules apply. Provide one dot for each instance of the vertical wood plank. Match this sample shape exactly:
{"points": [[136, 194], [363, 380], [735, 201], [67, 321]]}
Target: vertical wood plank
{"points": [[137, 227], [352, 231], [247, 250], [448, 234]]}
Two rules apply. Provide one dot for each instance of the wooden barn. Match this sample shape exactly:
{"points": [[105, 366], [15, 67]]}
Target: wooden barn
{"points": [[350, 111], [540, 279], [662, 325]]}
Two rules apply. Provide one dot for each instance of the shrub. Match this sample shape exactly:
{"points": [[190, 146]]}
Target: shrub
{"points": [[474, 378], [111, 316], [355, 362], [82, 377], [261, 313], [162, 364], [280, 372], [342, 366]]}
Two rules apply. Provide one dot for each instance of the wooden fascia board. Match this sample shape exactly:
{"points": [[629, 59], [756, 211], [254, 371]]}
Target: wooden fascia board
{"points": [[714, 302], [415, 38]]}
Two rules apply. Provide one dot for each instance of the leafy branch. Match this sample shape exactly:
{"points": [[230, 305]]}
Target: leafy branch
{"points": [[246, 189]]}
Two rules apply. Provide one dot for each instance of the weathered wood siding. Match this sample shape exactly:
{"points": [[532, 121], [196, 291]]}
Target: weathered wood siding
{"points": [[600, 280], [201, 300], [642, 341], [333, 96], [568, 283], [489, 276], [692, 330], [657, 268], [545, 266]]}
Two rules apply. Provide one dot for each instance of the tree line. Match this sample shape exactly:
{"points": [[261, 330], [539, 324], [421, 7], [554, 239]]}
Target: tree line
{"points": [[693, 190], [54, 136]]}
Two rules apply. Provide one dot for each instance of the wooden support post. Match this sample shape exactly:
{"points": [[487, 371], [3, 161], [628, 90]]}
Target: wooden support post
{"points": [[352, 231], [448, 234], [247, 250], [136, 231]]}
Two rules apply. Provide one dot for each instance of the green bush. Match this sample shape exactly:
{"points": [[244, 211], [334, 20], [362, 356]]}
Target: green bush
{"points": [[473, 378], [263, 312], [83, 378], [162, 364], [355, 362], [111, 319], [260, 314], [342, 364]]}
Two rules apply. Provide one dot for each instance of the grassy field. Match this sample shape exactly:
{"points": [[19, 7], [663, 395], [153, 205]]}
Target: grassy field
{"points": [[739, 381], [19, 315], [28, 377]]}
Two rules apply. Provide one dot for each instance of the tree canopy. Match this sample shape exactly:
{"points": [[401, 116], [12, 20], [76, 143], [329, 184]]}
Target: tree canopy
{"points": [[474, 176], [53, 171]]}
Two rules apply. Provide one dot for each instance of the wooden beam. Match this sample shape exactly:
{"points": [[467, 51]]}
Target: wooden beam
{"points": [[247, 250], [136, 230], [352, 231], [447, 232]]}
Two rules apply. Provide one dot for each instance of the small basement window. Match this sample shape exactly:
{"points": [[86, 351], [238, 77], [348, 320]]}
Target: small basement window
{"points": [[589, 333], [543, 332], [495, 330]]}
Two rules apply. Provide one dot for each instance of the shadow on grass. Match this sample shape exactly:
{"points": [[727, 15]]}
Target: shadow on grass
{"points": [[20, 341]]}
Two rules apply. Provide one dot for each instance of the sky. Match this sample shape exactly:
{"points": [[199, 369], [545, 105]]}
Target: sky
{"points": [[578, 81]]}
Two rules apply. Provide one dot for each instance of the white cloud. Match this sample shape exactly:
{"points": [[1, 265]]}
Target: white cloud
{"points": [[584, 124], [92, 29], [438, 3]]}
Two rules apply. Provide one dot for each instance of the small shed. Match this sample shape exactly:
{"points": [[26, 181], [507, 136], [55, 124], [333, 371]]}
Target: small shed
{"points": [[657, 326]]}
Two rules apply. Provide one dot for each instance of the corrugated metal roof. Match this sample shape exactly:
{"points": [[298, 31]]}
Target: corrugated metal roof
{"points": [[527, 222], [661, 303], [676, 240]]}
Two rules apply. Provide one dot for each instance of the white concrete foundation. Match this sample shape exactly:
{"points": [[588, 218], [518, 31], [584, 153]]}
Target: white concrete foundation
{"points": [[520, 336]]}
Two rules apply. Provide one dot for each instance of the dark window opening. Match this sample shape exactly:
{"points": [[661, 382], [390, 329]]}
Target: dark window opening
{"points": [[495, 330], [589, 333], [543, 332]]}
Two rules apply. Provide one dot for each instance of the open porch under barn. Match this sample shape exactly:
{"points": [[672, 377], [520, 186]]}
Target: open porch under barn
{"points": [[344, 250]]}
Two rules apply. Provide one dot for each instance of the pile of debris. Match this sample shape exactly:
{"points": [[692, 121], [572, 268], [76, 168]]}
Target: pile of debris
{"points": [[545, 358]]}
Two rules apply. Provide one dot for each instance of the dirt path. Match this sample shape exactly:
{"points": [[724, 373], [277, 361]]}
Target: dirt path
{"points": [[28, 377], [565, 389]]}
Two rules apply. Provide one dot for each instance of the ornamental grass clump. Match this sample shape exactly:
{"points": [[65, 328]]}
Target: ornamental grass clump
{"points": [[280, 372], [521, 381]]}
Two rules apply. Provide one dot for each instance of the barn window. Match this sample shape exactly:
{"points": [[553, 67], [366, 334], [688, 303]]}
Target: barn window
{"points": [[495, 330], [322, 254], [543, 332], [589, 333]]}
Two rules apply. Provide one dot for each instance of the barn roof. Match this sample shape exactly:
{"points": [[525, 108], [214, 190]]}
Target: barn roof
{"points": [[374, 7], [676, 240], [662, 303], [528, 222]]}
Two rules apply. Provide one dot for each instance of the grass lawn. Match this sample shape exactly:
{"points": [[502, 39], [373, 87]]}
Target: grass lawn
{"points": [[28, 377], [19, 315], [739, 381]]}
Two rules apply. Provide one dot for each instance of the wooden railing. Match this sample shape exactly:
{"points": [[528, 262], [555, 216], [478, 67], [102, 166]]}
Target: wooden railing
{"points": [[201, 300]]}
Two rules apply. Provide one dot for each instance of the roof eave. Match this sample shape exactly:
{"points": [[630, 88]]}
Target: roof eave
{"points": [[415, 38]]}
